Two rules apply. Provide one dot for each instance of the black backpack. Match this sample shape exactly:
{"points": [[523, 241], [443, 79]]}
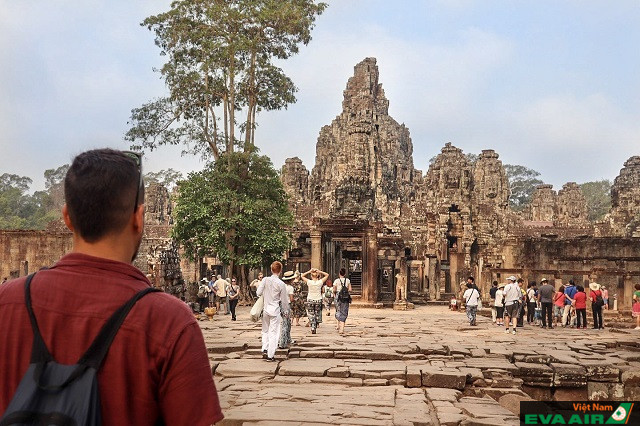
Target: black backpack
{"points": [[54, 394], [343, 294]]}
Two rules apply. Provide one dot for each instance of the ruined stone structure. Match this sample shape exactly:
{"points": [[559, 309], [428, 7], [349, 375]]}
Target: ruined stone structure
{"points": [[23, 252], [366, 208]]}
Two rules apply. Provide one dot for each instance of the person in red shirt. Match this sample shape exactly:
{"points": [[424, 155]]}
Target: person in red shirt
{"points": [[580, 301], [157, 369]]}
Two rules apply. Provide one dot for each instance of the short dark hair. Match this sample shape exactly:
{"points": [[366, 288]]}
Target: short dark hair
{"points": [[99, 190], [343, 271], [495, 283], [579, 288], [471, 278], [637, 286], [520, 280], [571, 282]]}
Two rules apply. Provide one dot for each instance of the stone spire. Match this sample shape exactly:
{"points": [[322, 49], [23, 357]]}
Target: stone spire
{"points": [[364, 164], [625, 199]]}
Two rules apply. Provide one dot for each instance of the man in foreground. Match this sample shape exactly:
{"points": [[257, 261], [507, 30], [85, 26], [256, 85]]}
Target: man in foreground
{"points": [[157, 369]]}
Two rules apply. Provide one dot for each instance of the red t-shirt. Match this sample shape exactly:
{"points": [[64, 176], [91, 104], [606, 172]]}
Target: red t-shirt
{"points": [[593, 294], [157, 366], [581, 300]]}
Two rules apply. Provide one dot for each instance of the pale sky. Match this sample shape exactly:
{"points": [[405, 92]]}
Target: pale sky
{"points": [[552, 85]]}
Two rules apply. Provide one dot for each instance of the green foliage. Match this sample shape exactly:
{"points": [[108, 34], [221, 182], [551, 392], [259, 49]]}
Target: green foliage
{"points": [[168, 178], [220, 61], [21, 210], [598, 195], [236, 209], [522, 184]]}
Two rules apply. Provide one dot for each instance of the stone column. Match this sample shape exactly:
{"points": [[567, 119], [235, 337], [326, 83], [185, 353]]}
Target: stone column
{"points": [[624, 302], [370, 277], [316, 249]]}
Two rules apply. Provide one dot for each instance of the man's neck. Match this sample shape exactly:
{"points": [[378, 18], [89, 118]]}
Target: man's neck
{"points": [[105, 248]]}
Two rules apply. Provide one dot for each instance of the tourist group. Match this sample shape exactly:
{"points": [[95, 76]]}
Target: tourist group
{"points": [[544, 305]]}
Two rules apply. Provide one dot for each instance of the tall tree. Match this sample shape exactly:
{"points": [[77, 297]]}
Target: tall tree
{"points": [[522, 183], [168, 178], [221, 63], [598, 195], [241, 217]]}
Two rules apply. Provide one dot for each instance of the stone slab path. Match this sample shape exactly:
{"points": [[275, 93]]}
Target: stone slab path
{"points": [[421, 367]]}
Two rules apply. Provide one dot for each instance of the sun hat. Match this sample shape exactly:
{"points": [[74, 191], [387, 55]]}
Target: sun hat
{"points": [[544, 280], [289, 275], [204, 280], [594, 286], [500, 286], [512, 278]]}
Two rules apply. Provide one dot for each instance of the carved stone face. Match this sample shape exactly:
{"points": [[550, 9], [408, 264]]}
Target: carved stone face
{"points": [[452, 179]]}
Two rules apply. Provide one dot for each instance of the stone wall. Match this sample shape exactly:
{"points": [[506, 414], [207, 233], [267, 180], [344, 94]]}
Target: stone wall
{"points": [[24, 252]]}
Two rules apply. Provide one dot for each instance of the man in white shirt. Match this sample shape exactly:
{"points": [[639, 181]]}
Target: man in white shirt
{"points": [[275, 297], [220, 289], [471, 297], [512, 300]]}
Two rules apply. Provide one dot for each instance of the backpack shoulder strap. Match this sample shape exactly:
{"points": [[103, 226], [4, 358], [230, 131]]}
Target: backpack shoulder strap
{"points": [[39, 351], [94, 356]]}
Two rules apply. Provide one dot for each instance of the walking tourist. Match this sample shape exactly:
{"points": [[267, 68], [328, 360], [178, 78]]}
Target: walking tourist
{"points": [[522, 302], [233, 292], [327, 296], [499, 305], [580, 303], [156, 369], [492, 296], [545, 297], [512, 302], [636, 306], [276, 300], [314, 296], [255, 283], [203, 295], [569, 291], [597, 302], [285, 333], [298, 309], [531, 302], [471, 297], [605, 296], [558, 305], [342, 289], [219, 287]]}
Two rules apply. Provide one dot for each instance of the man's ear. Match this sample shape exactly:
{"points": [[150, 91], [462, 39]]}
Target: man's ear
{"points": [[67, 218], [138, 219]]}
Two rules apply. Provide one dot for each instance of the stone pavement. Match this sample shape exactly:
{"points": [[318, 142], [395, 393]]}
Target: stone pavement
{"points": [[420, 367]]}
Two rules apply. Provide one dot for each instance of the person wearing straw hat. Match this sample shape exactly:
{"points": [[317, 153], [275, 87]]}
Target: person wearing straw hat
{"points": [[597, 302], [512, 301], [285, 333]]}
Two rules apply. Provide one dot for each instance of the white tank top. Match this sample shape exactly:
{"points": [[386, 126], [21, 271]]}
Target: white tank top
{"points": [[315, 290]]}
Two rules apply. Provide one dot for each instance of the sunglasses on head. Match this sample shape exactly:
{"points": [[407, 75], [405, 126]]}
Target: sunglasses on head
{"points": [[137, 159]]}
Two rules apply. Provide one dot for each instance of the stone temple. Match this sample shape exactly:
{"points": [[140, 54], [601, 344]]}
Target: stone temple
{"points": [[366, 208]]}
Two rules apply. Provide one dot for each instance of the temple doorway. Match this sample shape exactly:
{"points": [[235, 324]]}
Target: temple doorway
{"points": [[344, 252]]}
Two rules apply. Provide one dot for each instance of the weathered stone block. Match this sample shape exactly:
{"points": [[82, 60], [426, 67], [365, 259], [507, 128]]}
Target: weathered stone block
{"points": [[571, 394], [601, 391], [630, 377], [451, 379], [414, 376], [534, 374], [600, 372], [569, 375], [442, 394]]}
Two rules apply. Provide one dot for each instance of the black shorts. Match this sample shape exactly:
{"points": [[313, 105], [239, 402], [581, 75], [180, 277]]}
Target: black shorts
{"points": [[499, 311], [511, 311]]}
